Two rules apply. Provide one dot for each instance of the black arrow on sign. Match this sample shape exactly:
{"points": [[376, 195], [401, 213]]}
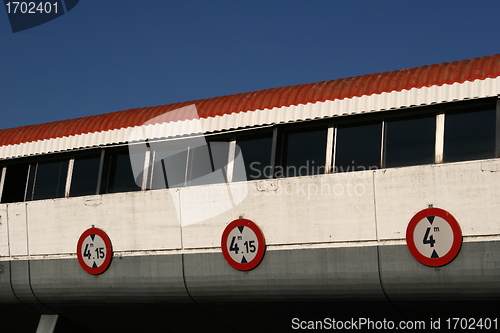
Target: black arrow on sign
{"points": [[434, 254], [92, 236], [431, 219], [94, 265], [243, 260], [240, 228]]}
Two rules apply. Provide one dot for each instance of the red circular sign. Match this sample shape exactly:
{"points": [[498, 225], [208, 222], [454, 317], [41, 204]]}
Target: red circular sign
{"points": [[434, 237], [94, 251], [243, 244]]}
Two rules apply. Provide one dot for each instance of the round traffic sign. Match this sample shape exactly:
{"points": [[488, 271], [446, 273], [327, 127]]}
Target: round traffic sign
{"points": [[434, 237], [243, 244], [94, 251]]}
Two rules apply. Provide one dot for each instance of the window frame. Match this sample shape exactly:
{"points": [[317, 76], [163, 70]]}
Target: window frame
{"points": [[497, 128], [3, 170], [33, 181], [259, 133], [280, 141], [91, 152], [340, 125], [109, 174], [412, 116], [495, 109]]}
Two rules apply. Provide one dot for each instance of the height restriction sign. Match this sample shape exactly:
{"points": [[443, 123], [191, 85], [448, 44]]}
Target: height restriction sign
{"points": [[243, 244], [94, 251], [434, 237]]}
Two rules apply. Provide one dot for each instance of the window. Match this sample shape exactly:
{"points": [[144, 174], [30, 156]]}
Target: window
{"points": [[284, 151], [121, 176], [469, 136], [358, 147], [256, 153], [35, 181], [14, 188], [2, 179], [85, 176], [410, 141], [305, 153], [207, 163], [47, 180], [169, 164]]}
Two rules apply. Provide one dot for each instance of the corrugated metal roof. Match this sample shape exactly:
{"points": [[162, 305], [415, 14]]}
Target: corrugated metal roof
{"points": [[466, 79]]}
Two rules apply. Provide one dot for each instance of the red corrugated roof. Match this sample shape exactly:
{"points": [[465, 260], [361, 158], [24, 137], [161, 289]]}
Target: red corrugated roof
{"points": [[425, 76]]}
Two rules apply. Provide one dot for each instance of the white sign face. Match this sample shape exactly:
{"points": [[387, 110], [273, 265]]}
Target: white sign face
{"points": [[94, 251], [243, 244], [434, 237]]}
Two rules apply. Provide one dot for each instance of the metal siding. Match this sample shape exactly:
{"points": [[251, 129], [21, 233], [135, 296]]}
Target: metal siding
{"points": [[278, 207], [473, 275], [4, 233], [21, 286], [141, 279], [291, 275], [315, 274], [285, 114], [7, 295], [468, 190], [424, 85], [148, 221], [155, 262], [18, 229]]}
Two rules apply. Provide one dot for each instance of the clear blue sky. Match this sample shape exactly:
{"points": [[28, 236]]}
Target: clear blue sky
{"points": [[112, 55]]}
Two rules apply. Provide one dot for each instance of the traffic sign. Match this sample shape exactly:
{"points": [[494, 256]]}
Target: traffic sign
{"points": [[243, 244], [94, 251], [434, 237]]}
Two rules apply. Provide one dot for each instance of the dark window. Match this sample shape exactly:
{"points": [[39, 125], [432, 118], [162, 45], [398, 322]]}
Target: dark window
{"points": [[85, 176], [169, 168], [410, 141], [47, 180], [14, 188], [358, 148], [256, 154], [469, 136], [121, 176], [207, 163], [1, 184], [305, 153]]}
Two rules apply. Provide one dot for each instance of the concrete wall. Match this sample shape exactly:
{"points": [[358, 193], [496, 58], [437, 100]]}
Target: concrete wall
{"points": [[329, 237]]}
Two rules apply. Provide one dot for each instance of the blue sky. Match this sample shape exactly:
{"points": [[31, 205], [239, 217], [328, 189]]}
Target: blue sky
{"points": [[106, 56]]}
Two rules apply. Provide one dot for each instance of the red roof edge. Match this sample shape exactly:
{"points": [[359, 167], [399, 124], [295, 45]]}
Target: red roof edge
{"points": [[418, 77]]}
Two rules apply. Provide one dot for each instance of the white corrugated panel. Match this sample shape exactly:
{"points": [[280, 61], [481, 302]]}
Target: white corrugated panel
{"points": [[371, 103]]}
